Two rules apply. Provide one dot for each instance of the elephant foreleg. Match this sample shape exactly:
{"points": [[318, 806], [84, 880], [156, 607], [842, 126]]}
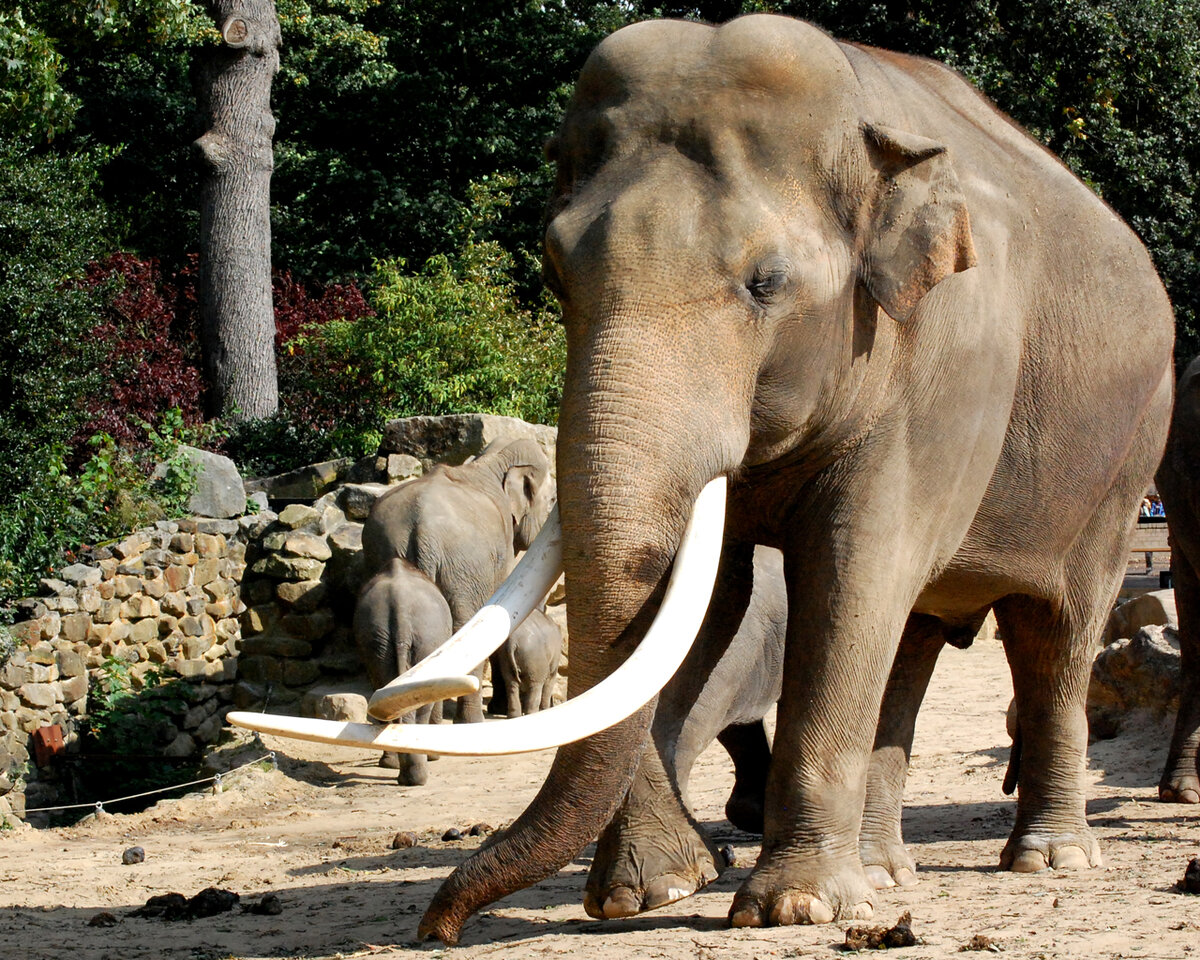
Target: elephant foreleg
{"points": [[653, 852], [748, 748], [880, 844]]}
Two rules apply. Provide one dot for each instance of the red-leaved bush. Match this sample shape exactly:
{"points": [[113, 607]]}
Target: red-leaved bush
{"points": [[152, 361]]}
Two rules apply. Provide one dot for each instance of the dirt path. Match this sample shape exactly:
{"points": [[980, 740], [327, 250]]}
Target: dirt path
{"points": [[318, 830]]}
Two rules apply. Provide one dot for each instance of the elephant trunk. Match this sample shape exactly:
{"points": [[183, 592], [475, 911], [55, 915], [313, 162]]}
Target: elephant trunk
{"points": [[550, 833], [629, 471]]}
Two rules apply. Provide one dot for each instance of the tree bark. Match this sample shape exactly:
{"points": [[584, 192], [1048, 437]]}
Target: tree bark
{"points": [[238, 323]]}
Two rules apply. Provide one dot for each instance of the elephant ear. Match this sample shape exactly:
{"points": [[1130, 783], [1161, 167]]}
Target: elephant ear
{"points": [[918, 230], [519, 485]]}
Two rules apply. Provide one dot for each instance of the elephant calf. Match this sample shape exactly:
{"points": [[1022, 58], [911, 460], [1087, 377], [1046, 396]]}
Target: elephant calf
{"points": [[528, 664], [401, 617]]}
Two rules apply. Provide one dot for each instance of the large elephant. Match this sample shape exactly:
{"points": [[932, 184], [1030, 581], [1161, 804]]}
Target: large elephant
{"points": [[460, 525], [1178, 482], [400, 618], [936, 370]]}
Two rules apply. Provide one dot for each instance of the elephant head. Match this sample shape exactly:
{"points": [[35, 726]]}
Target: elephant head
{"points": [[527, 483]]}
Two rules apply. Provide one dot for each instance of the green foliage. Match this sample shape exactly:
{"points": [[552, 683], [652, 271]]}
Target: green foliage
{"points": [[110, 493], [448, 338], [32, 101]]}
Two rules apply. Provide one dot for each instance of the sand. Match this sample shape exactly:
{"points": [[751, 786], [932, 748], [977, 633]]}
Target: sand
{"points": [[317, 832]]}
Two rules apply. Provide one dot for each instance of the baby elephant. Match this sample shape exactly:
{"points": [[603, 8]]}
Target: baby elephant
{"points": [[528, 664], [401, 617]]}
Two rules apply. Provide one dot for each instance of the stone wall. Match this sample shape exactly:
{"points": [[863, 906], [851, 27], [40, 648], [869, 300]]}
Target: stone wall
{"points": [[252, 613], [166, 598]]}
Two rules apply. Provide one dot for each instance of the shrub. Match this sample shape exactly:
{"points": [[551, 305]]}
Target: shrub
{"points": [[449, 338], [150, 361]]}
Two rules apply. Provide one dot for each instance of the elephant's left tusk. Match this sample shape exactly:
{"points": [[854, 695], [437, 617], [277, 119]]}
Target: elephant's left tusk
{"points": [[445, 673], [622, 693]]}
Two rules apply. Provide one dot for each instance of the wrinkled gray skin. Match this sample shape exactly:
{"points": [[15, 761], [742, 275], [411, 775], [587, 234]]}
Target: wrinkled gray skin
{"points": [[528, 664], [401, 617], [1178, 482], [460, 525], [937, 369], [654, 848]]}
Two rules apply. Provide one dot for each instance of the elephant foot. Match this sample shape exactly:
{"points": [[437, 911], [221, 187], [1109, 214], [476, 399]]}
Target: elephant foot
{"points": [[631, 875], [744, 808], [887, 865], [389, 761], [1179, 789], [780, 895], [1033, 852]]}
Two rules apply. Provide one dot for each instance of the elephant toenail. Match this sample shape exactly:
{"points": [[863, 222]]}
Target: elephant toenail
{"points": [[862, 911], [820, 912], [1029, 861], [621, 902], [747, 915], [878, 877], [1070, 858], [906, 877]]}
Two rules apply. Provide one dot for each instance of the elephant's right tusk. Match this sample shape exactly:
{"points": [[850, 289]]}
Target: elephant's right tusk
{"points": [[621, 694], [445, 673]]}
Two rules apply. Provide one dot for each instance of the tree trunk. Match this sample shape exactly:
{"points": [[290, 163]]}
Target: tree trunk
{"points": [[238, 323]]}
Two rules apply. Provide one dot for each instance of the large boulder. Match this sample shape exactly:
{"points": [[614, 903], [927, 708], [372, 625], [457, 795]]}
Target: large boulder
{"points": [[458, 437], [219, 488], [1147, 610], [1137, 674]]}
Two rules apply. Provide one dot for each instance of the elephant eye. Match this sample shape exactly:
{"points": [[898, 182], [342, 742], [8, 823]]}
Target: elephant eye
{"points": [[766, 282]]}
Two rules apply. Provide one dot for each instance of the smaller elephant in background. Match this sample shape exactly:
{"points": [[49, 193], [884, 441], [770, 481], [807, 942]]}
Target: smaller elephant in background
{"points": [[528, 664], [461, 527], [1178, 483], [401, 617], [653, 851]]}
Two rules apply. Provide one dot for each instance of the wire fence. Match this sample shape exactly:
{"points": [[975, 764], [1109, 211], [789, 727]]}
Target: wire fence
{"points": [[98, 805]]}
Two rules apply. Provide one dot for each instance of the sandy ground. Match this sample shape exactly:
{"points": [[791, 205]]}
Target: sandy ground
{"points": [[317, 832]]}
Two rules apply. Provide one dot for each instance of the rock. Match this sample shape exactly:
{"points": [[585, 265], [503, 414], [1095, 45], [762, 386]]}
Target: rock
{"points": [[304, 483], [325, 704], [303, 596], [219, 488], [80, 575], [455, 438], [401, 466], [133, 855], [258, 497], [1149, 609], [289, 568], [297, 516], [356, 499], [1141, 673], [103, 919], [452, 835]]}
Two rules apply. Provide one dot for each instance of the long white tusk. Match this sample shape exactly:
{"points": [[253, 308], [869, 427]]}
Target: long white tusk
{"points": [[623, 692], [445, 673]]}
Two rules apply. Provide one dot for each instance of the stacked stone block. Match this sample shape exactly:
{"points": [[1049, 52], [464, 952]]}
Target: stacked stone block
{"points": [[165, 598]]}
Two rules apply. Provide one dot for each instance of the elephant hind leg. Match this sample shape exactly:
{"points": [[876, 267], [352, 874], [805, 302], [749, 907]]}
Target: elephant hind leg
{"points": [[1180, 781], [748, 748], [1049, 654]]}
